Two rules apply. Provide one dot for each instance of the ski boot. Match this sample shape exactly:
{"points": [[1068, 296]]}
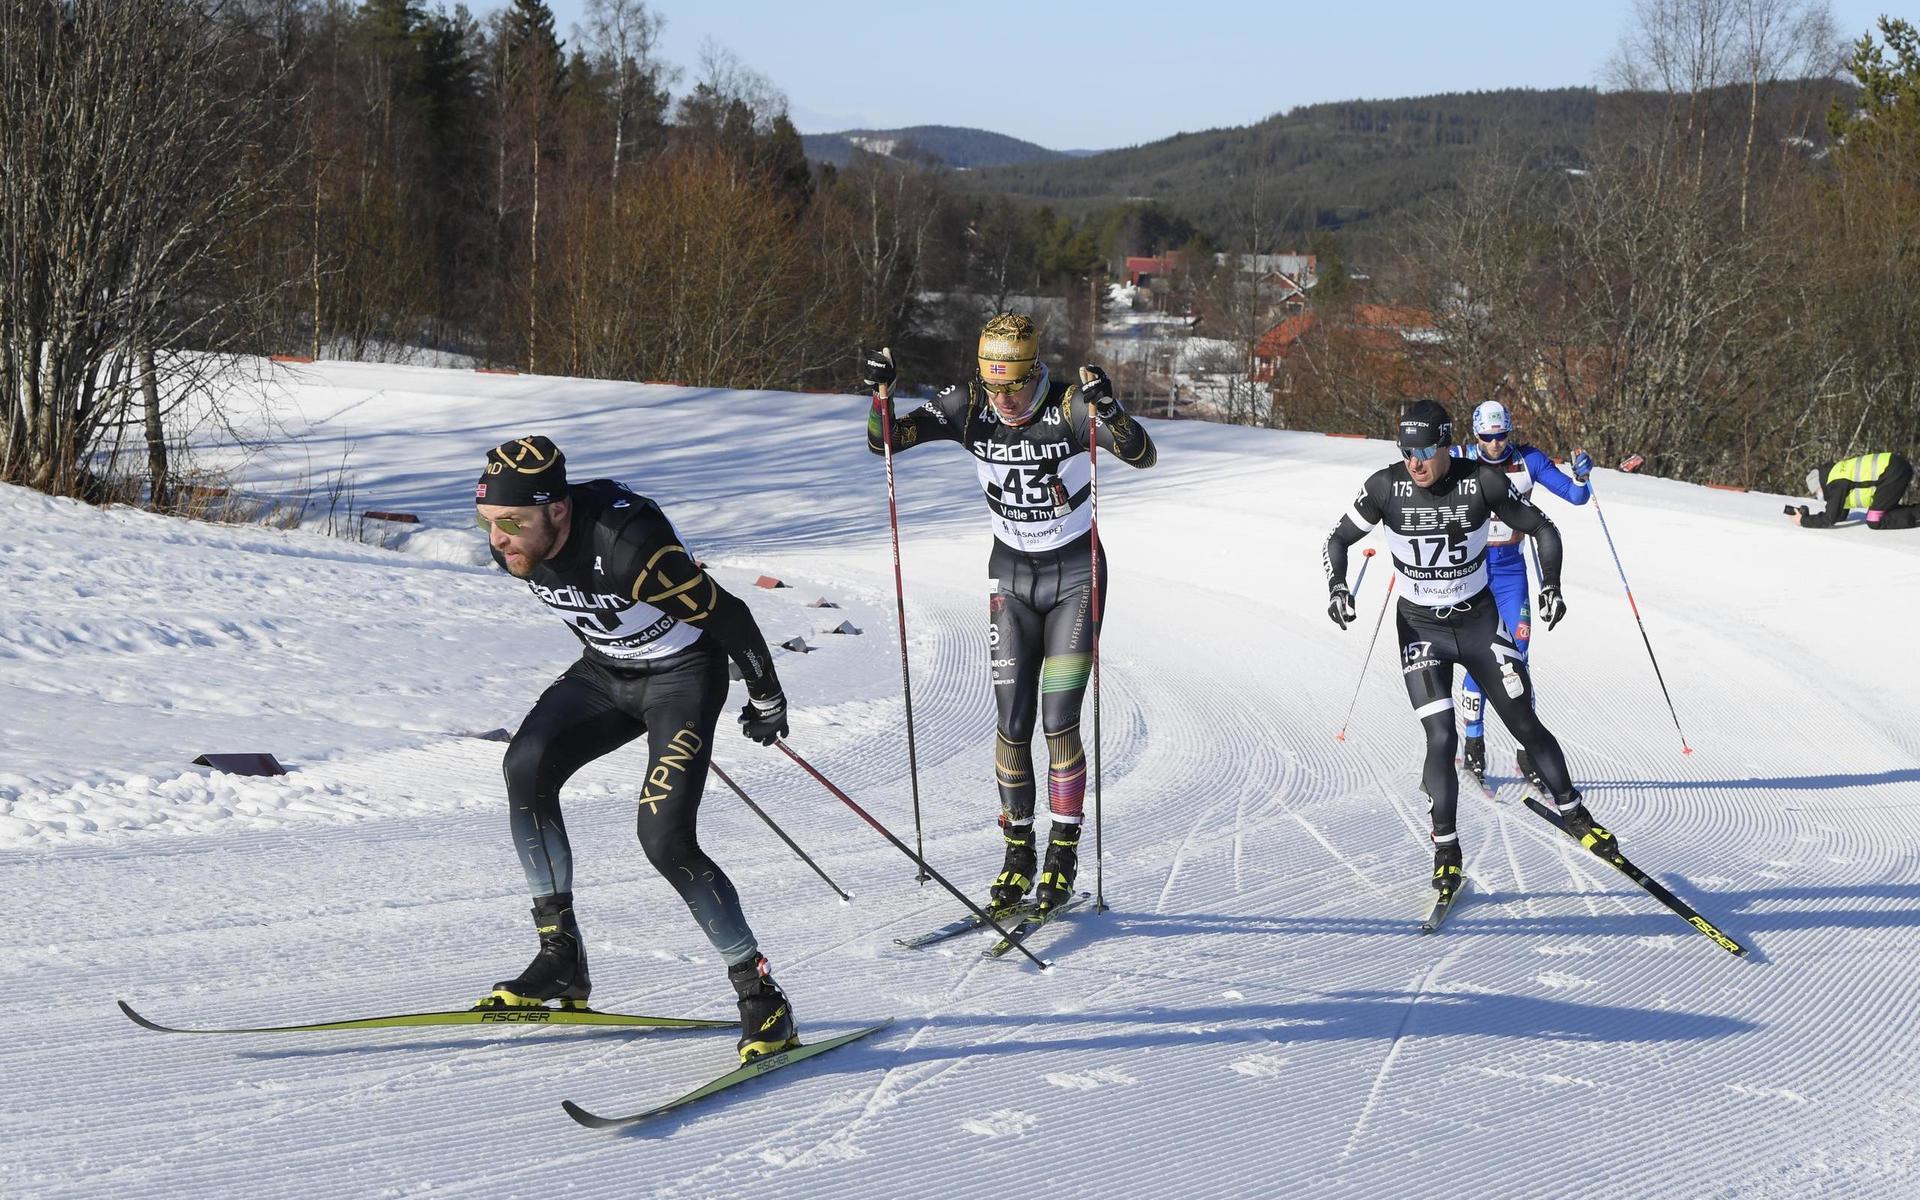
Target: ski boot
{"points": [[1524, 762], [1446, 866], [766, 1019], [1016, 872], [1592, 835], [1056, 878], [557, 972], [1475, 756]]}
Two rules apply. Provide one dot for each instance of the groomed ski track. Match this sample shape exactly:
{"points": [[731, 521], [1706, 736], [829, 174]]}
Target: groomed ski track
{"points": [[1256, 1016]]}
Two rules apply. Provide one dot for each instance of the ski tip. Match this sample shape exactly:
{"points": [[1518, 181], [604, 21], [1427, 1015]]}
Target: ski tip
{"points": [[139, 1020], [582, 1116]]}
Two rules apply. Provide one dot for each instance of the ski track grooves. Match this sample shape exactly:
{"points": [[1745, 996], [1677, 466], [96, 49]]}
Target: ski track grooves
{"points": [[1259, 982], [1420, 985]]}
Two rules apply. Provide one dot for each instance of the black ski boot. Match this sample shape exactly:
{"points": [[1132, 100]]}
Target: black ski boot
{"points": [[766, 1019], [1446, 866], [1524, 762], [1475, 756], [558, 972], [1056, 878], [1016, 872], [1592, 835]]}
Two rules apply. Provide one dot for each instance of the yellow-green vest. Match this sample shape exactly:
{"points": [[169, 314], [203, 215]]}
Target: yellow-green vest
{"points": [[1865, 470]]}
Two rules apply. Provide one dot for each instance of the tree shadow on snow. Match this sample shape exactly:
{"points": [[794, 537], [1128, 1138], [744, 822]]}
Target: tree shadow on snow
{"points": [[1353, 1016], [1744, 914], [1759, 783], [1361, 1015]]}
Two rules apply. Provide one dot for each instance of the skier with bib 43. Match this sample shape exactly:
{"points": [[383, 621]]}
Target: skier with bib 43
{"points": [[1028, 434]]}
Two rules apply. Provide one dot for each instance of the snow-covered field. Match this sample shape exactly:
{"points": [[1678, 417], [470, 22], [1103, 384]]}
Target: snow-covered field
{"points": [[1256, 1016]]}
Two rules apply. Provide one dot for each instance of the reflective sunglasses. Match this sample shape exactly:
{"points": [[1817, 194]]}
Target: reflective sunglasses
{"points": [[1001, 389], [1423, 453], [1494, 437], [507, 525]]}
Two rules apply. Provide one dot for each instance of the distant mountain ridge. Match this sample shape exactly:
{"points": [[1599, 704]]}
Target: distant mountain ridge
{"points": [[1354, 165], [1364, 164], [1320, 166], [941, 145]]}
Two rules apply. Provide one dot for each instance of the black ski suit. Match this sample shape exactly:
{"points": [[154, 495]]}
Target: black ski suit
{"points": [[657, 632], [1036, 479], [1447, 615]]}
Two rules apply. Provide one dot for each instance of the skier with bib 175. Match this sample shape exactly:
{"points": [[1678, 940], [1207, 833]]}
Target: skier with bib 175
{"points": [[656, 632], [1028, 434], [1438, 510], [1524, 466]]}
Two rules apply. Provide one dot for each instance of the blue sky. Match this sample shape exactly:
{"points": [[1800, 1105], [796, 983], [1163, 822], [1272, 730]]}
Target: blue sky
{"points": [[1073, 74]]}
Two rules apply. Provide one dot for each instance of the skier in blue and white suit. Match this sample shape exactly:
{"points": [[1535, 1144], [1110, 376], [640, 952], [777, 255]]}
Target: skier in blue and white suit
{"points": [[1506, 561]]}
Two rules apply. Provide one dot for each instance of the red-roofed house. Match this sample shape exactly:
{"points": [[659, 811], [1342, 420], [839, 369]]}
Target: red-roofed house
{"points": [[1376, 329], [1147, 268]]}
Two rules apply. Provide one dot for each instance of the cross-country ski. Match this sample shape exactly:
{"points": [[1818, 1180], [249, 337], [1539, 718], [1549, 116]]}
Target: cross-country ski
{"points": [[752, 1069]]}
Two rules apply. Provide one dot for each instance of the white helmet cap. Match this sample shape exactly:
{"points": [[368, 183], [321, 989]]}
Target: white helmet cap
{"points": [[1492, 417]]}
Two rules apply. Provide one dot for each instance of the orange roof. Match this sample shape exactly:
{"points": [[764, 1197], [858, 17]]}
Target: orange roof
{"points": [[1275, 342], [1392, 316]]}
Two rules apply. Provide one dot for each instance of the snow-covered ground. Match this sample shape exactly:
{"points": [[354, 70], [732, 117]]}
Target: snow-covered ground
{"points": [[1256, 1015]]}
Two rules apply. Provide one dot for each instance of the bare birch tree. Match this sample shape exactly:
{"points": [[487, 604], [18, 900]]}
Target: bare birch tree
{"points": [[129, 161]]}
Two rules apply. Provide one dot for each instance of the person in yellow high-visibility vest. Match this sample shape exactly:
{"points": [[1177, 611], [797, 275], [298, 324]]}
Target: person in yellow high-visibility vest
{"points": [[1875, 482]]}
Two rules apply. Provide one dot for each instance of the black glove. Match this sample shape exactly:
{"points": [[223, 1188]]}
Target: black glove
{"points": [[1340, 605], [877, 371], [1097, 390], [765, 721], [1550, 607]]}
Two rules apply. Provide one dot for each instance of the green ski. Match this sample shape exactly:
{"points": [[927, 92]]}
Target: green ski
{"points": [[464, 1016], [1443, 903], [1033, 922], [740, 1074]]}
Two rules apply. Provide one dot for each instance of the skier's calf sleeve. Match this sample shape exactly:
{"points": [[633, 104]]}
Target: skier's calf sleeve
{"points": [[1066, 774]]}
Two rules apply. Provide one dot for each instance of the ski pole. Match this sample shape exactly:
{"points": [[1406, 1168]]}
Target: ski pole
{"points": [[791, 844], [900, 600], [1093, 497], [901, 846], [1611, 549], [1371, 642], [1366, 560]]}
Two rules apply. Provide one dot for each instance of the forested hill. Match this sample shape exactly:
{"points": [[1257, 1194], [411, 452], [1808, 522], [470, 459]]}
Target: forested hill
{"points": [[940, 145], [1323, 165]]}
